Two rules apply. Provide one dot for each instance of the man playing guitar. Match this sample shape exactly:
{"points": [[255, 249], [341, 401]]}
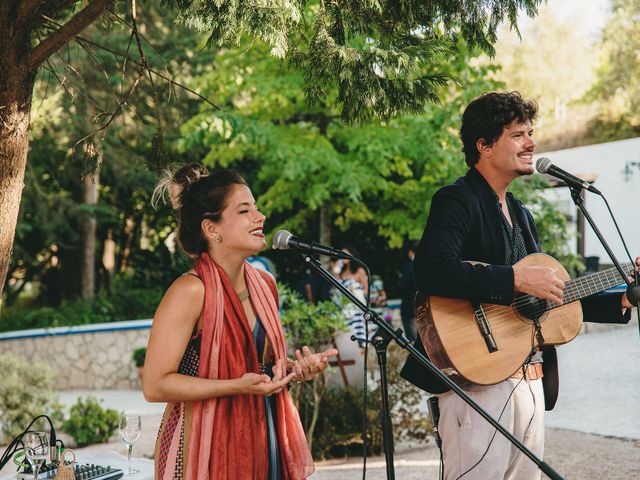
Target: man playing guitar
{"points": [[476, 218]]}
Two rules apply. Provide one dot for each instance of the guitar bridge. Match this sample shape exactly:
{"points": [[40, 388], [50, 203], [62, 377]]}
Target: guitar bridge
{"points": [[485, 328]]}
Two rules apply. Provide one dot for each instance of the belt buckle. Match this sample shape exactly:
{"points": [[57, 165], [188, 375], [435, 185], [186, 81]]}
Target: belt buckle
{"points": [[529, 372]]}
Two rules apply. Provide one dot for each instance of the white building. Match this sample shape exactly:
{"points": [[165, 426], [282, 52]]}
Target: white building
{"points": [[616, 169]]}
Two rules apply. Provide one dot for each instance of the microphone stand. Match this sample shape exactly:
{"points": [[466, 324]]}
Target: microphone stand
{"points": [[633, 291], [633, 287], [381, 340]]}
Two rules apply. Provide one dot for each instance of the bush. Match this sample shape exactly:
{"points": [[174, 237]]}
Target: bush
{"points": [[339, 429], [332, 417], [90, 423], [139, 355], [124, 303], [25, 392]]}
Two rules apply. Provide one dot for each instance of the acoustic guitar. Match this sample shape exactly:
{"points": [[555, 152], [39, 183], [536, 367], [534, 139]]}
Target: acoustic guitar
{"points": [[485, 344]]}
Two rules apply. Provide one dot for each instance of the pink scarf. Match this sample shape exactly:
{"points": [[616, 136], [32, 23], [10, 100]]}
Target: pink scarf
{"points": [[228, 439]]}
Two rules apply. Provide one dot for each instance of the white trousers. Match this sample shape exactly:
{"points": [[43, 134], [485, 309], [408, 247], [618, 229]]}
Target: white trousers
{"points": [[466, 435]]}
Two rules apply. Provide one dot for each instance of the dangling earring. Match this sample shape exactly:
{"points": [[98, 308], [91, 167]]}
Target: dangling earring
{"points": [[217, 238]]}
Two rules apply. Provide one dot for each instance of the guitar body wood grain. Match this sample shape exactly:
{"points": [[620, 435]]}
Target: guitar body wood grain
{"points": [[452, 338]]}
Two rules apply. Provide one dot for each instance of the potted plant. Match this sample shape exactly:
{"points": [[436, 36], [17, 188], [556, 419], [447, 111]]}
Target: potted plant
{"points": [[138, 358]]}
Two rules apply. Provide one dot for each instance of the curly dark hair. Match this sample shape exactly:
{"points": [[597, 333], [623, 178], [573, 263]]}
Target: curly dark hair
{"points": [[196, 195], [487, 116]]}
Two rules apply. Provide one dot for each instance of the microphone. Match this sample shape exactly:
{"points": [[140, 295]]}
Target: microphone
{"points": [[284, 240], [544, 165]]}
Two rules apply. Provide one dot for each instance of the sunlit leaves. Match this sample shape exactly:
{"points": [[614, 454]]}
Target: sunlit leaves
{"points": [[381, 58]]}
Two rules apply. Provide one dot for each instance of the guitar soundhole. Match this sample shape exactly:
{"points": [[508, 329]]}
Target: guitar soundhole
{"points": [[529, 308]]}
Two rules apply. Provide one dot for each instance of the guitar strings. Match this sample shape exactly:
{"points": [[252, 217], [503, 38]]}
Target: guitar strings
{"points": [[573, 286], [572, 289]]}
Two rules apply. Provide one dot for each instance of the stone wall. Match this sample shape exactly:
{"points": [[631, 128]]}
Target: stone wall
{"points": [[93, 357], [90, 357]]}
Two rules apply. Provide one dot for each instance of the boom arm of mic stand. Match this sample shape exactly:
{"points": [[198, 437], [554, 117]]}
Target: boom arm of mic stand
{"points": [[425, 362]]}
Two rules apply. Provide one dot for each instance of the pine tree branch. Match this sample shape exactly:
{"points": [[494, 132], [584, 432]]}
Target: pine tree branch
{"points": [[66, 33], [155, 72], [53, 7], [113, 116]]}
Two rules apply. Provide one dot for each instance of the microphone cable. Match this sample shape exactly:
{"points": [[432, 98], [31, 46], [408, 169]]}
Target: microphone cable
{"points": [[13, 447], [527, 362], [504, 407], [637, 273], [615, 222]]}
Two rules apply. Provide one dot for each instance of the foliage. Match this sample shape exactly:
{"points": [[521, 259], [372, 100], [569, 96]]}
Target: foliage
{"points": [[551, 223], [617, 89], [339, 430], [139, 355], [410, 422], [554, 65], [332, 416], [26, 391], [89, 422], [124, 303], [313, 325], [380, 172], [307, 323], [48, 240], [376, 59]]}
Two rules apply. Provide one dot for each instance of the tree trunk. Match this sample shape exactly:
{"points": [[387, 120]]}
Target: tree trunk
{"points": [[19, 63], [88, 228], [16, 87]]}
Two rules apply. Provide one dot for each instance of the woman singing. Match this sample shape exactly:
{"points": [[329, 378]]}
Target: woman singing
{"points": [[217, 352]]}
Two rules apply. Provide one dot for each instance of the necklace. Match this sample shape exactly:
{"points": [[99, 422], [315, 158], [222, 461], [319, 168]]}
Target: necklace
{"points": [[243, 295]]}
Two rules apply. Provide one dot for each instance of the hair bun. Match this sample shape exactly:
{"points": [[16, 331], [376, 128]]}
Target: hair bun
{"points": [[176, 183]]}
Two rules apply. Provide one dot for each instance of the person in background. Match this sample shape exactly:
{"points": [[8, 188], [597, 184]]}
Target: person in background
{"points": [[353, 270], [313, 288], [407, 289], [217, 352], [350, 277]]}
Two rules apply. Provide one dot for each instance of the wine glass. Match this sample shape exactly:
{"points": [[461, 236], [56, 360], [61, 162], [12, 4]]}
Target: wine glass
{"points": [[130, 429], [36, 448]]}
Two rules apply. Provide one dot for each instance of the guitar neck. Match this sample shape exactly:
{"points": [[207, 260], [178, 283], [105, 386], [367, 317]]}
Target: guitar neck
{"points": [[593, 283]]}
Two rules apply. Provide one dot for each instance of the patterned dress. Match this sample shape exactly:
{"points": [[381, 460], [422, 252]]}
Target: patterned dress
{"points": [[176, 421], [259, 338]]}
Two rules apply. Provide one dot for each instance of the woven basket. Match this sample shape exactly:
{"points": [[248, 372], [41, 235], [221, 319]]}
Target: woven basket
{"points": [[66, 472]]}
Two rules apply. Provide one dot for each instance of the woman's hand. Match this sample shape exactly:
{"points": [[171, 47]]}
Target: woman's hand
{"points": [[256, 384], [309, 365]]}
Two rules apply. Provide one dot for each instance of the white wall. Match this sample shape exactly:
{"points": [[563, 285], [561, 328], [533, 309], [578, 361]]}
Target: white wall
{"points": [[607, 161]]}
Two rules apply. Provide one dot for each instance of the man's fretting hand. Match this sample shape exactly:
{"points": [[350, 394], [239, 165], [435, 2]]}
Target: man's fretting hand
{"points": [[541, 282]]}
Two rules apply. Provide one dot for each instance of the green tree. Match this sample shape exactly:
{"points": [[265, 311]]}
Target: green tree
{"points": [[51, 244], [378, 54], [555, 65], [313, 325], [617, 90], [312, 170]]}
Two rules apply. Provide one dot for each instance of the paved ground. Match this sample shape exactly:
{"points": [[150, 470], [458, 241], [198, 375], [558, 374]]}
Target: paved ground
{"points": [[600, 384], [594, 434]]}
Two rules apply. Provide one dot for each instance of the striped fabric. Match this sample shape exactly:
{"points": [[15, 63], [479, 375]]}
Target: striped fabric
{"points": [[173, 436]]}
